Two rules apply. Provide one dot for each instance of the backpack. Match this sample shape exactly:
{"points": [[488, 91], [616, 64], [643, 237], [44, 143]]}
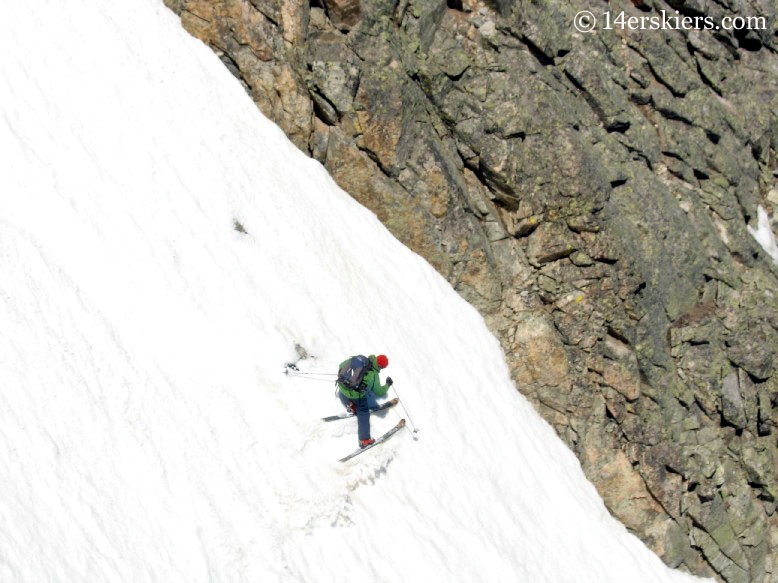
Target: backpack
{"points": [[352, 372]]}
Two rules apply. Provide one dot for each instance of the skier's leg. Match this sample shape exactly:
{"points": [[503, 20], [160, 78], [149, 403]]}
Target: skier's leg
{"points": [[363, 419], [347, 403], [372, 404]]}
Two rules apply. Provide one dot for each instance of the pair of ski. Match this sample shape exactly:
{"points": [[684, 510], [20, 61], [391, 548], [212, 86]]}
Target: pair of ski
{"points": [[378, 440]]}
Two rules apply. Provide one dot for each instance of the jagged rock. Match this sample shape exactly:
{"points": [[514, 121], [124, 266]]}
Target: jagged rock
{"points": [[624, 492], [732, 409], [344, 14], [541, 359], [551, 242], [748, 351], [333, 73]]}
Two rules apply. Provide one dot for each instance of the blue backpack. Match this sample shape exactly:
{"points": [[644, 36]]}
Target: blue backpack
{"points": [[352, 372]]}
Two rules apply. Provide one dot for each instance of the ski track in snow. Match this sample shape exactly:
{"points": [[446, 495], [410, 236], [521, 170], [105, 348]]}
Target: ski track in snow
{"points": [[147, 432]]}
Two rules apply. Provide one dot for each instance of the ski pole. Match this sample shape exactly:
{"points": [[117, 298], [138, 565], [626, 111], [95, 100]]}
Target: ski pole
{"points": [[291, 369], [307, 378], [415, 429]]}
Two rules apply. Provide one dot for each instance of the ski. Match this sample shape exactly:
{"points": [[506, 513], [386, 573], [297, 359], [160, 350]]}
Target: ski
{"points": [[381, 407], [378, 441]]}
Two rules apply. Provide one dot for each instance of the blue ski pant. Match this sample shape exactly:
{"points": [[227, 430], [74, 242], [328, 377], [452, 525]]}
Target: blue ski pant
{"points": [[364, 404]]}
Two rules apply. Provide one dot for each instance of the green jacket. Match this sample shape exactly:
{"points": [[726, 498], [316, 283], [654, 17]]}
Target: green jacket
{"points": [[371, 382]]}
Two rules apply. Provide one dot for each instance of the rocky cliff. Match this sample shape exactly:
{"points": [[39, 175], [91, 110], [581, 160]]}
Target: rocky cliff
{"points": [[591, 194]]}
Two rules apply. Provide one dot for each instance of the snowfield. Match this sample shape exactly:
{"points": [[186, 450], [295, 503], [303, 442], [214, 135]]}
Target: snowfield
{"points": [[764, 234], [147, 433]]}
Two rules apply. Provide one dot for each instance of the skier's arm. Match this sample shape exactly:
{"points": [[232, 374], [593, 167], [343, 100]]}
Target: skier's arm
{"points": [[375, 385]]}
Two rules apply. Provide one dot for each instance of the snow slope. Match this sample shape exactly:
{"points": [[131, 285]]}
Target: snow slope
{"points": [[146, 430], [764, 234]]}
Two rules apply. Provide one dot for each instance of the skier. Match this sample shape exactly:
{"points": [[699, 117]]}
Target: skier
{"points": [[361, 401]]}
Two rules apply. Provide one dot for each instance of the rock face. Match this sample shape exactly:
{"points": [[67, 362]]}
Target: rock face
{"points": [[591, 195]]}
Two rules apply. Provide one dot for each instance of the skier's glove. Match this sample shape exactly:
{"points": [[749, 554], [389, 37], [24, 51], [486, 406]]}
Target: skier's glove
{"points": [[389, 381]]}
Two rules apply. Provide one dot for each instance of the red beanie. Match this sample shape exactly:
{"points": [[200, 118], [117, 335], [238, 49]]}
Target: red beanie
{"points": [[382, 361]]}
